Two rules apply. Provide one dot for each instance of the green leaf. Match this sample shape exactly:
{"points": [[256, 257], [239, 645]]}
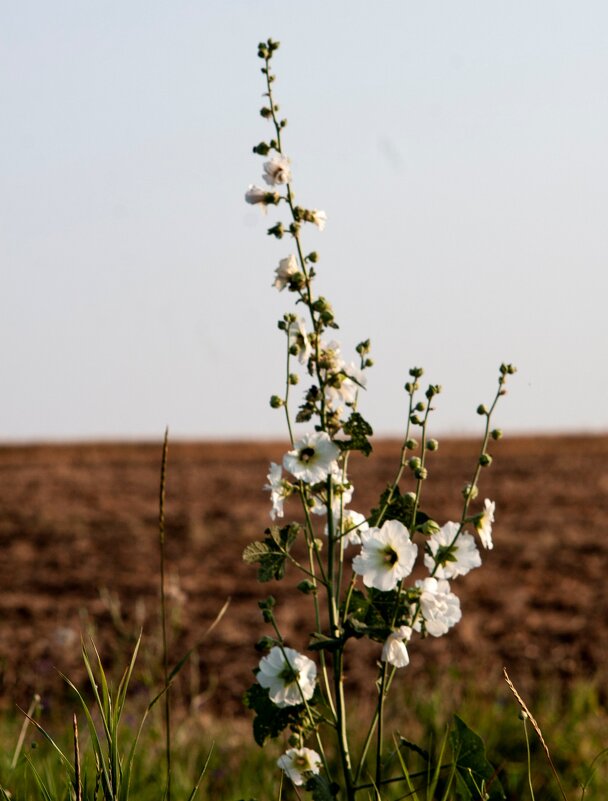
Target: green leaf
{"points": [[358, 429], [472, 767], [320, 642], [394, 506], [321, 788], [271, 720], [271, 554]]}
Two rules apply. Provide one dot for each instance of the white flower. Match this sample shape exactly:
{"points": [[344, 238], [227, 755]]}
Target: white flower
{"points": [[288, 676], [313, 458], [341, 387], [298, 339], [298, 761], [277, 171], [279, 489], [483, 524], [257, 195], [394, 651], [387, 556], [440, 608], [287, 267], [342, 494], [452, 559], [353, 524], [318, 218]]}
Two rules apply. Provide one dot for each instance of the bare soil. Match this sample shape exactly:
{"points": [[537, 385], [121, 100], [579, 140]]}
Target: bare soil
{"points": [[79, 544]]}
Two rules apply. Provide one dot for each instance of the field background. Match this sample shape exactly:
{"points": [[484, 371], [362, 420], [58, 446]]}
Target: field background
{"points": [[79, 543]]}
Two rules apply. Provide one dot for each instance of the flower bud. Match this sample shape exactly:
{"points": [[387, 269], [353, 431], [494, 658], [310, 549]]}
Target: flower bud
{"points": [[293, 379], [496, 433], [276, 402], [262, 149], [277, 230], [306, 587], [313, 257], [470, 492], [434, 389], [368, 363], [482, 409], [411, 444], [266, 112], [415, 420], [485, 460], [430, 527], [416, 372], [414, 463], [421, 473], [432, 445], [419, 407]]}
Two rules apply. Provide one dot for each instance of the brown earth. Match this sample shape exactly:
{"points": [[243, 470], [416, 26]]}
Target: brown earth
{"points": [[79, 540]]}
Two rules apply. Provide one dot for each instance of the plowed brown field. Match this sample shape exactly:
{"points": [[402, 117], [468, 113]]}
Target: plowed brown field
{"points": [[79, 549]]}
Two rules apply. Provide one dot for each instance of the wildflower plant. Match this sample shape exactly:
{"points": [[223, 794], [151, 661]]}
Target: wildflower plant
{"points": [[357, 566]]}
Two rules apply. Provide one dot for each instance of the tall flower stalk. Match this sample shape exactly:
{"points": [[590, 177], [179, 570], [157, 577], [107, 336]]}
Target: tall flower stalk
{"points": [[368, 596]]}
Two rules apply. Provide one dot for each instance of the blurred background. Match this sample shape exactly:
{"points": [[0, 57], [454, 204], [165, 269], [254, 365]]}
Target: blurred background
{"points": [[458, 150]]}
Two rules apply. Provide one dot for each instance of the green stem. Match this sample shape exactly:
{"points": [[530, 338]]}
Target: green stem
{"points": [[163, 610]]}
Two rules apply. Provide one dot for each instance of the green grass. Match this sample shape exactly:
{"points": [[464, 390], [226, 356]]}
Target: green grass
{"points": [[574, 723]]}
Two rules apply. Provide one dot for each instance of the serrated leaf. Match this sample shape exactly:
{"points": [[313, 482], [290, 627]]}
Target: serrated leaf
{"points": [[254, 552], [472, 766]]}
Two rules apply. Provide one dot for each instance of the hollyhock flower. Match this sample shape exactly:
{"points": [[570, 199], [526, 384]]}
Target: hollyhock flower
{"points": [[439, 607], [298, 339], [277, 171], [279, 489], [296, 762], [387, 556], [394, 651], [353, 525], [451, 559], [342, 494], [313, 458], [256, 195], [483, 524], [318, 218], [286, 269], [342, 386], [288, 676]]}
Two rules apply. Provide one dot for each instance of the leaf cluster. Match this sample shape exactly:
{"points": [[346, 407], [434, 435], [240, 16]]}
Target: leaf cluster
{"points": [[272, 552]]}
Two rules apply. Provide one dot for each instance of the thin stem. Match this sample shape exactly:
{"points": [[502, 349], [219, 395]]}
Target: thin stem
{"points": [[163, 610]]}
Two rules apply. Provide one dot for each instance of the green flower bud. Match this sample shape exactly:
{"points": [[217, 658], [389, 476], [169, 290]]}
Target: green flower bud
{"points": [[313, 257], [416, 372], [408, 387], [411, 444], [482, 409], [294, 378], [306, 587], [421, 473], [266, 113], [496, 433], [276, 402], [415, 463], [419, 407], [262, 149], [432, 445], [434, 389], [430, 527], [415, 420], [277, 230], [485, 460]]}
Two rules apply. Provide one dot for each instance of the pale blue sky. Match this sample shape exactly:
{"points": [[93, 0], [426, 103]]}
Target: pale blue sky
{"points": [[459, 150]]}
